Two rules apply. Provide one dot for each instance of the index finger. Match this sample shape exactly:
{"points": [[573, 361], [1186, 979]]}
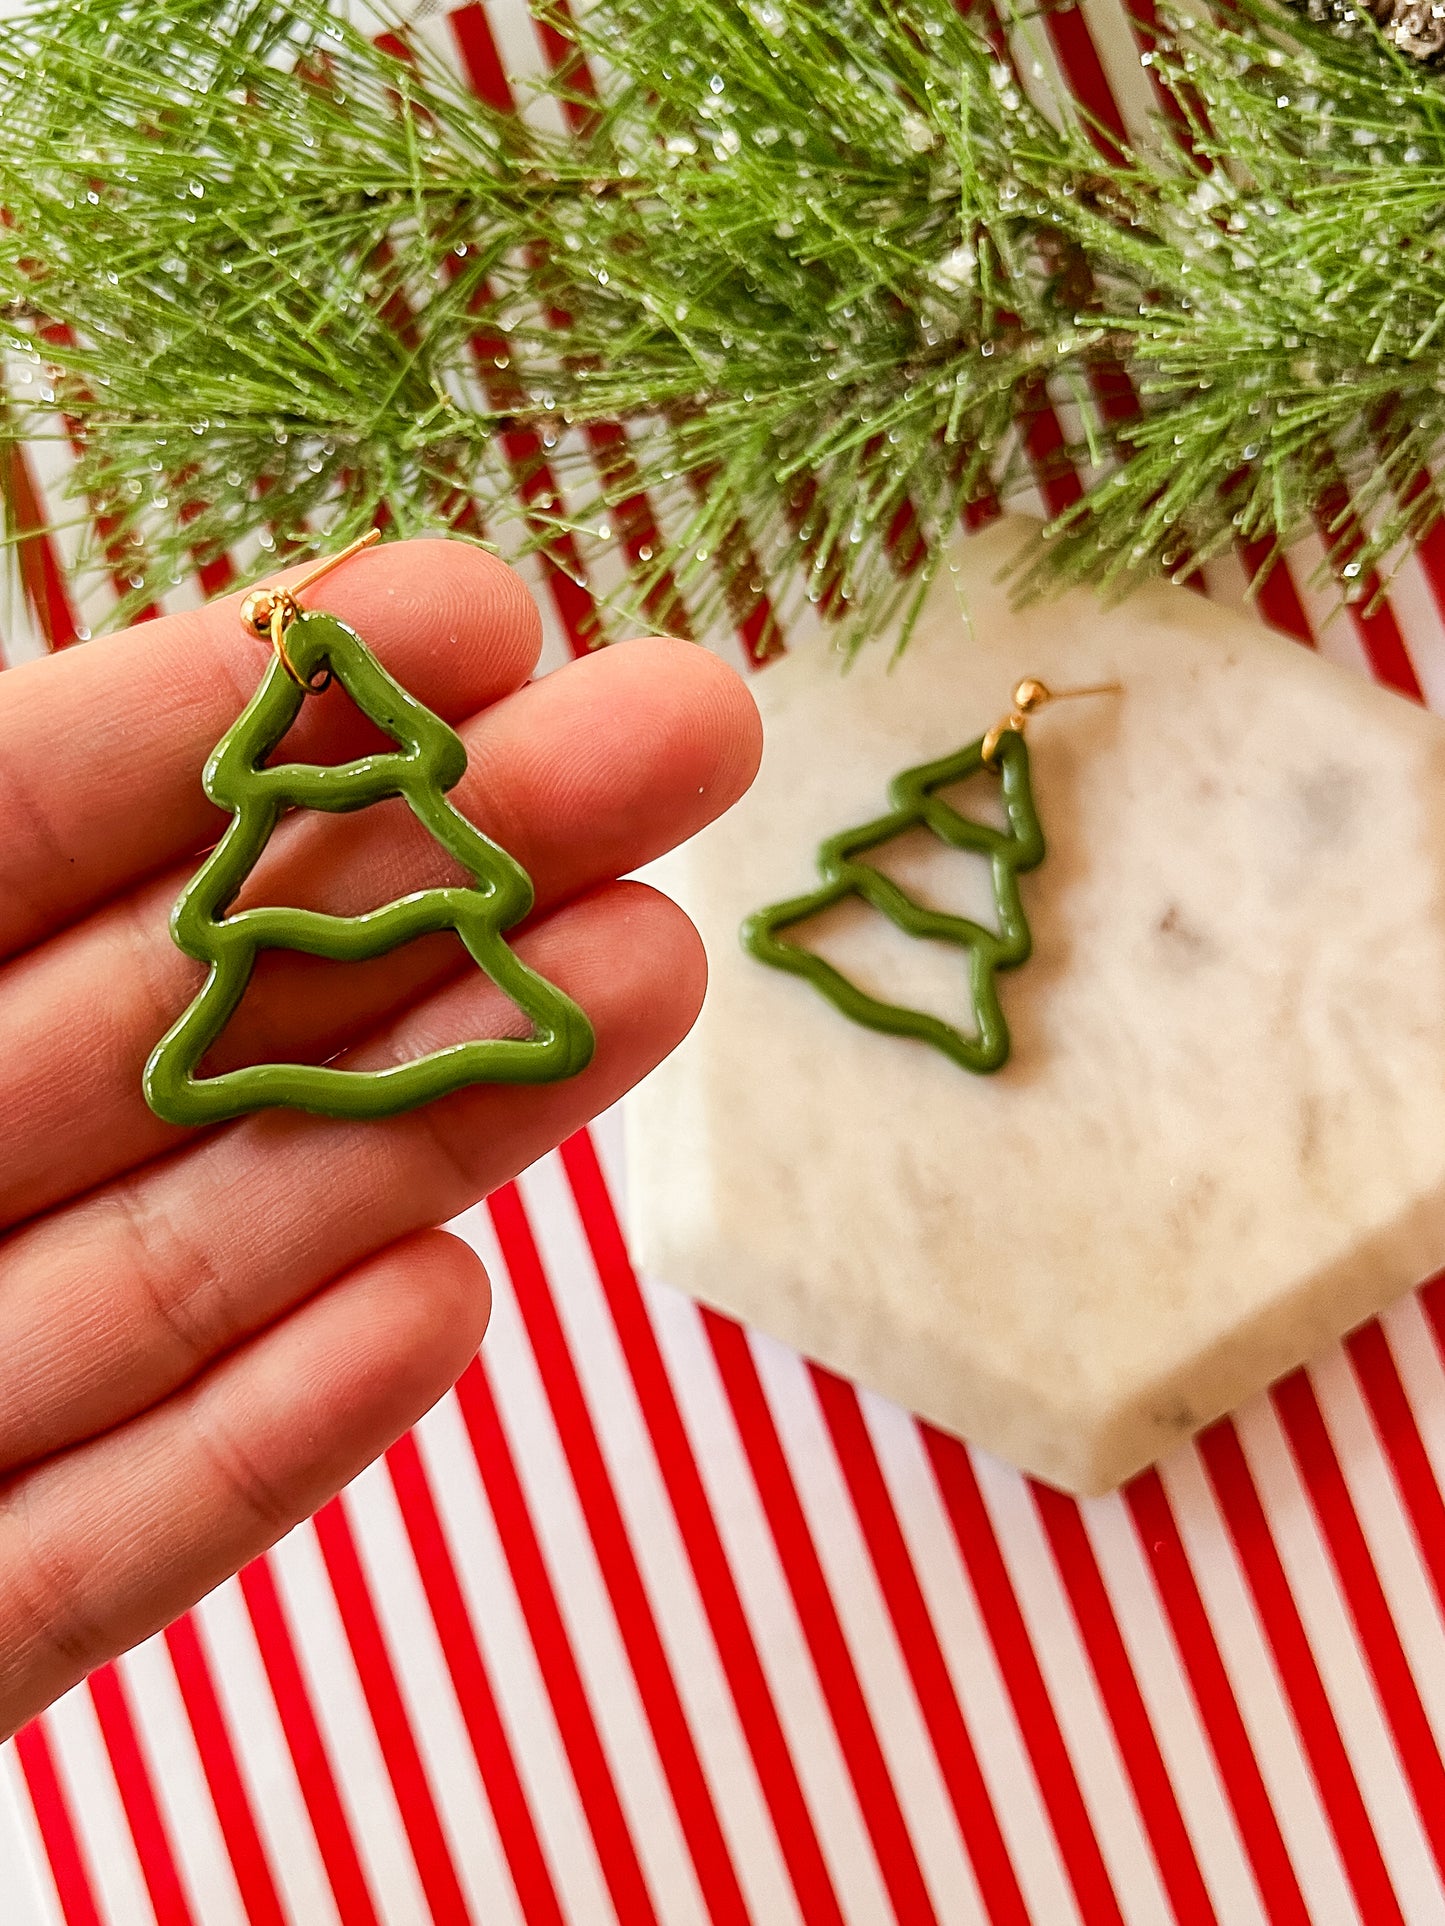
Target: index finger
{"points": [[101, 747]]}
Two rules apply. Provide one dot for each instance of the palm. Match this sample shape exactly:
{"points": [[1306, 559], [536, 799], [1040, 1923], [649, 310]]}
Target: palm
{"points": [[203, 1335]]}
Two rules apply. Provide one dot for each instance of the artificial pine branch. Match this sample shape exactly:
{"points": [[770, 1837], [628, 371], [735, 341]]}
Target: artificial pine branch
{"points": [[817, 252]]}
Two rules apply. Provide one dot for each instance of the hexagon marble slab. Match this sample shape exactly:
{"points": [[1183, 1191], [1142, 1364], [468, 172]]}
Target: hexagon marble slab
{"points": [[1220, 1140]]}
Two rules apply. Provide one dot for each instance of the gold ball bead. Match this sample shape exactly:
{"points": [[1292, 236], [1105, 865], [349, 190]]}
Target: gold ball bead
{"points": [[1030, 694], [257, 610]]}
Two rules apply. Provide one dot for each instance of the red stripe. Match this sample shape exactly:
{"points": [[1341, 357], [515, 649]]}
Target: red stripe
{"points": [[1380, 633], [1082, 67], [1334, 1508], [1376, 626], [635, 524], [247, 1854], [1299, 1674], [1431, 550], [516, 1828], [1154, 1796], [563, 56], [1057, 478], [903, 539], [1110, 380], [481, 61], [1113, 389], [536, 484], [308, 1752], [216, 576], [1158, 1806], [1430, 546], [41, 575], [717, 1588], [106, 525], [537, 1597], [1277, 597], [636, 1621], [1432, 1303], [1215, 1701], [918, 1641], [566, 571], [137, 1795], [389, 1715], [758, 628], [633, 516], [1079, 58], [57, 1827], [1024, 1680], [821, 1625], [1399, 1436], [1144, 19]]}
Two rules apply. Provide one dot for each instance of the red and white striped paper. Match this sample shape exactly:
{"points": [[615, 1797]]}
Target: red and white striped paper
{"points": [[652, 1621]]}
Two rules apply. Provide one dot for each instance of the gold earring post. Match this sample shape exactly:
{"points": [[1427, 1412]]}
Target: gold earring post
{"points": [[1031, 694], [271, 611], [371, 536]]}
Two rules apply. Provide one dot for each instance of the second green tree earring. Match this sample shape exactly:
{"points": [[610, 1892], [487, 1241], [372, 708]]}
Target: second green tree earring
{"points": [[916, 802]]}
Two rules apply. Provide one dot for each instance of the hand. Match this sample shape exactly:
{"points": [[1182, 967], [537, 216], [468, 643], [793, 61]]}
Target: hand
{"points": [[203, 1335]]}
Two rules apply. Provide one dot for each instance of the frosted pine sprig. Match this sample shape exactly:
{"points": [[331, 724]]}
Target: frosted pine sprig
{"points": [[814, 256]]}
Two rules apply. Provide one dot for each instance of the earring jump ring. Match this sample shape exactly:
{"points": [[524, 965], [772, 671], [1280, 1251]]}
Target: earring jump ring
{"points": [[1031, 694], [271, 611], [281, 619]]}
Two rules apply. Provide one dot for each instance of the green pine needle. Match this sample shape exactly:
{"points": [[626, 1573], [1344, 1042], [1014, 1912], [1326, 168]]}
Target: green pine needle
{"points": [[815, 255]]}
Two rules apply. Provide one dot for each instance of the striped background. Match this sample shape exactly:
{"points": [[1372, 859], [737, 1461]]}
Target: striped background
{"points": [[652, 1621]]}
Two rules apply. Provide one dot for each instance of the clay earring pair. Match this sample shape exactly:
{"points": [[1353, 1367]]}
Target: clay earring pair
{"points": [[916, 801]]}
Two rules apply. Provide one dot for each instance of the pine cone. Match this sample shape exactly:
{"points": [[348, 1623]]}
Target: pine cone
{"points": [[1416, 27]]}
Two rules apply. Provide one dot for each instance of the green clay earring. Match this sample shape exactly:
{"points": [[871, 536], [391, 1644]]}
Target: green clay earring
{"points": [[917, 804], [309, 649]]}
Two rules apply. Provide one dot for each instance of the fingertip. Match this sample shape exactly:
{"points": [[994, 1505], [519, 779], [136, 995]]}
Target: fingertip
{"points": [[451, 621], [446, 1297], [460, 620], [103, 1543], [642, 922], [633, 962], [717, 707]]}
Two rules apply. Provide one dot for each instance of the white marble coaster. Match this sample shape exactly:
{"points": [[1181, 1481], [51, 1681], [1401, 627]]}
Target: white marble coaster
{"points": [[1220, 1140]]}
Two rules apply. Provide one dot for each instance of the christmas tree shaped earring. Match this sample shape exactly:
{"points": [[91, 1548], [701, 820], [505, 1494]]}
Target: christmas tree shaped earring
{"points": [[309, 649], [918, 804]]}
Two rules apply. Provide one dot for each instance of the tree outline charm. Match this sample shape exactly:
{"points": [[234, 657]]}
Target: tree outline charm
{"points": [[916, 804], [430, 760]]}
